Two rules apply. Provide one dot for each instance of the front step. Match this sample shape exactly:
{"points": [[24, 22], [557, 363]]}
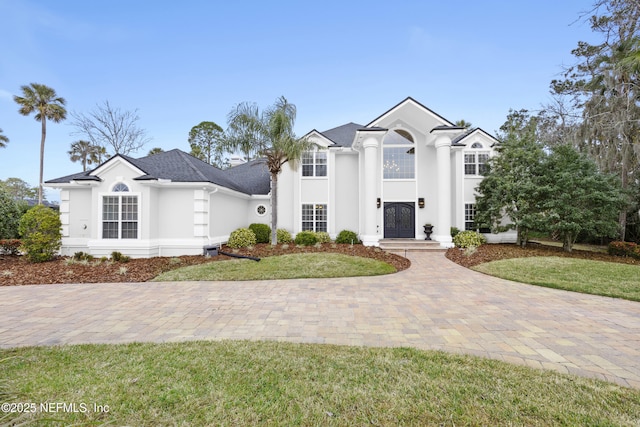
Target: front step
{"points": [[392, 245]]}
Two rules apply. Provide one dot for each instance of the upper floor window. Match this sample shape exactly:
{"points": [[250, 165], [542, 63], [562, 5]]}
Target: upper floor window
{"points": [[314, 163], [398, 160], [475, 162]]}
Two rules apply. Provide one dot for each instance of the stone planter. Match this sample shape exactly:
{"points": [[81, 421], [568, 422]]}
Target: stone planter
{"points": [[428, 229]]}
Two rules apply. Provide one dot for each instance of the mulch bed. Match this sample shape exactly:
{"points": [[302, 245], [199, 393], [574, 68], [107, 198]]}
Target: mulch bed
{"points": [[16, 270], [494, 252]]}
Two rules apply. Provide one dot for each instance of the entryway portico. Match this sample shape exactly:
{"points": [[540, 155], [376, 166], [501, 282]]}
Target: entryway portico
{"points": [[406, 175]]}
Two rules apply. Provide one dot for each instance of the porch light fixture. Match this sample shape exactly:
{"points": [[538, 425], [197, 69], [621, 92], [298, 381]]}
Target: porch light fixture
{"points": [[378, 203], [421, 202]]}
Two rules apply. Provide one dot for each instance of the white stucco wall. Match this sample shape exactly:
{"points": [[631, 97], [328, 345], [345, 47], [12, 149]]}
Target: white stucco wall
{"points": [[79, 212], [226, 213], [252, 214], [174, 214], [288, 190], [344, 207]]}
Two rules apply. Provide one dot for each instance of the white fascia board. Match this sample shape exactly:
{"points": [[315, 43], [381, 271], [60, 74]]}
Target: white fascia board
{"points": [[481, 133], [412, 101], [73, 184], [319, 139], [113, 162]]}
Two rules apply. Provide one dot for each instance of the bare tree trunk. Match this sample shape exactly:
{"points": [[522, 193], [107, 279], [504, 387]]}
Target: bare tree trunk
{"points": [[274, 208], [44, 135]]}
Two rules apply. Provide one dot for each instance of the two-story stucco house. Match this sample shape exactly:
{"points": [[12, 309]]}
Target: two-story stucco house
{"points": [[386, 179]]}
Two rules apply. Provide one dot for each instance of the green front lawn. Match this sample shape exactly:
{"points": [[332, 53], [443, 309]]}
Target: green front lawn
{"points": [[294, 266], [270, 383], [572, 274]]}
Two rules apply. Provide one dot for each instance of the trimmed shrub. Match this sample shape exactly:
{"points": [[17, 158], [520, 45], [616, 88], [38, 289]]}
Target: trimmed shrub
{"points": [[454, 231], [323, 237], [118, 257], [82, 256], [306, 238], [624, 249], [467, 239], [41, 235], [283, 236], [262, 232], [241, 238], [10, 246], [10, 214], [348, 237]]}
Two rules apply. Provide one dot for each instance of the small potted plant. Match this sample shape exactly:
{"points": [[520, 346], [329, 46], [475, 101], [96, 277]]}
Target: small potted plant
{"points": [[428, 229]]}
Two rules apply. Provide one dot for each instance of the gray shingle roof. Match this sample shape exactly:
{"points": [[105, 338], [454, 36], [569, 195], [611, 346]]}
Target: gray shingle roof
{"points": [[82, 176], [178, 166], [344, 135], [253, 176]]}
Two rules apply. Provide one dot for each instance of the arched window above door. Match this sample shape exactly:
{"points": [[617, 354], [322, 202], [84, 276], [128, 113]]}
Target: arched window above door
{"points": [[399, 155]]}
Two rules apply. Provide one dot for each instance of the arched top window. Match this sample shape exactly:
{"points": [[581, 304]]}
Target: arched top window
{"points": [[120, 188], [477, 145], [399, 151], [398, 137]]}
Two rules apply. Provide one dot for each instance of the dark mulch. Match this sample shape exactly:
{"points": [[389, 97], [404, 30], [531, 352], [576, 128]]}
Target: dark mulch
{"points": [[15, 270], [494, 252]]}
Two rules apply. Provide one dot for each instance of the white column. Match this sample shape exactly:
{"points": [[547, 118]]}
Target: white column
{"points": [[369, 237], [442, 229]]}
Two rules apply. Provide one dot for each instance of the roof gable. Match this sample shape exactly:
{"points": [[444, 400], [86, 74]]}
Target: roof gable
{"points": [[415, 105], [113, 162], [464, 139]]}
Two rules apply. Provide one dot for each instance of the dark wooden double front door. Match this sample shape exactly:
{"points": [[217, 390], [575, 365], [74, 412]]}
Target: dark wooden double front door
{"points": [[399, 220]]}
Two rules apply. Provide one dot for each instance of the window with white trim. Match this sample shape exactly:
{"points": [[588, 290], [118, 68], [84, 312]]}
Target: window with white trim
{"points": [[470, 219], [469, 215], [399, 160], [475, 163], [314, 163], [314, 217], [120, 214]]}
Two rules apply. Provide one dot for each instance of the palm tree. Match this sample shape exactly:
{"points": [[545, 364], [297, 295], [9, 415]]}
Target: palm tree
{"points": [[271, 135], [3, 140], [87, 153], [245, 131], [44, 101], [464, 124], [155, 150]]}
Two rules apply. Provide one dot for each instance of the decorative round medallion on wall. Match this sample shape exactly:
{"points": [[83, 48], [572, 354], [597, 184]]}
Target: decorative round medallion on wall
{"points": [[261, 210]]}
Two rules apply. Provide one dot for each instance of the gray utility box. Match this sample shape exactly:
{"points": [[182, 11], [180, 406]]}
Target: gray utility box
{"points": [[210, 251]]}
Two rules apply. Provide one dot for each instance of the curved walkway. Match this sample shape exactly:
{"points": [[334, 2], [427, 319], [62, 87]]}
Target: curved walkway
{"points": [[435, 304]]}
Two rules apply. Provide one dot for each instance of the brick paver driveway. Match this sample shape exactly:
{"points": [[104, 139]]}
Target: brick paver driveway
{"points": [[436, 304]]}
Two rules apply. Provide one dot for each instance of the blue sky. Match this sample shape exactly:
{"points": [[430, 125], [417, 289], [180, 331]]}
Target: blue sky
{"points": [[180, 63]]}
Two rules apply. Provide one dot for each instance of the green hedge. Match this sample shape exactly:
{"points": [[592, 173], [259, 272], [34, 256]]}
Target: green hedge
{"points": [[348, 237], [41, 233], [241, 238], [262, 232], [323, 237], [306, 238], [283, 236], [467, 239]]}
